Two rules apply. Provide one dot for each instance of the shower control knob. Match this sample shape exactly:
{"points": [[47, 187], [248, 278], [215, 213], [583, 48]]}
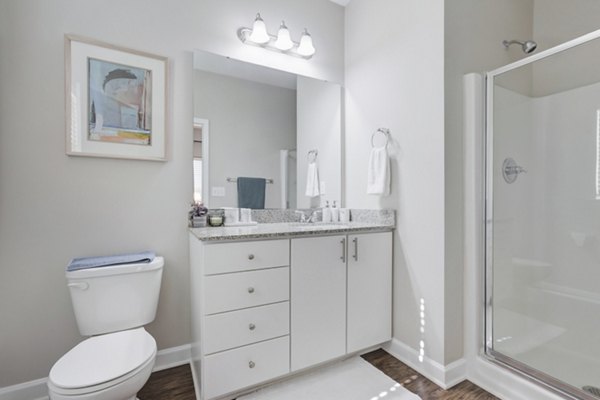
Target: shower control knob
{"points": [[251, 327], [250, 289], [510, 170], [251, 364], [250, 256]]}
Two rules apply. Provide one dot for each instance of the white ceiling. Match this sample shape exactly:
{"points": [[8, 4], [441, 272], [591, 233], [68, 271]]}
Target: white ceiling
{"points": [[343, 3]]}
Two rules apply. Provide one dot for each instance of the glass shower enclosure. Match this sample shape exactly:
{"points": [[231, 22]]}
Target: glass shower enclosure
{"points": [[543, 217]]}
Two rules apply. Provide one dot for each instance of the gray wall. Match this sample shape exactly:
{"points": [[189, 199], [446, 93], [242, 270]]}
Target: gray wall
{"points": [[395, 79], [319, 127], [54, 207], [473, 43], [249, 123]]}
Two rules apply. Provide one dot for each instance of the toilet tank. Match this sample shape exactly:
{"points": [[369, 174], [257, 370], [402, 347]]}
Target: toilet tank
{"points": [[115, 298]]}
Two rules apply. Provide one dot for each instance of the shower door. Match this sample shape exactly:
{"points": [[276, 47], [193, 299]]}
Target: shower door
{"points": [[543, 217]]}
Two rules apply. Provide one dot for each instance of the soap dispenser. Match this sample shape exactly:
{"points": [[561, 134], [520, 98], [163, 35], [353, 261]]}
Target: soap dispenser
{"points": [[335, 213], [326, 213]]}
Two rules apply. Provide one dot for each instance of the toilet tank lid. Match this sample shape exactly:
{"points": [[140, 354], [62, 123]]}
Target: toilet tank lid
{"points": [[103, 358], [157, 263]]}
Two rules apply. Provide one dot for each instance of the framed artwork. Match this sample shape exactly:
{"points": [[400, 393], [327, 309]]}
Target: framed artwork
{"points": [[115, 101]]}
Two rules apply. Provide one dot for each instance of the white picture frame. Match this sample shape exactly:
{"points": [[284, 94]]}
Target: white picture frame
{"points": [[115, 101]]}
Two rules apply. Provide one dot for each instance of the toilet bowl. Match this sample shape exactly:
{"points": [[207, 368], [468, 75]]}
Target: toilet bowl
{"points": [[111, 305], [113, 366]]}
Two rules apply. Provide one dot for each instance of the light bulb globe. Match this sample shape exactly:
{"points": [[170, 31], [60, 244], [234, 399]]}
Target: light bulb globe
{"points": [[284, 41], [306, 48], [259, 33]]}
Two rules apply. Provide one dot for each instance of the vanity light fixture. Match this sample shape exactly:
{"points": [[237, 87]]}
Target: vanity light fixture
{"points": [[283, 43]]}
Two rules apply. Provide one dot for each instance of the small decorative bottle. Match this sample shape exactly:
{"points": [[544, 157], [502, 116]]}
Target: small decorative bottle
{"points": [[335, 213], [326, 213]]}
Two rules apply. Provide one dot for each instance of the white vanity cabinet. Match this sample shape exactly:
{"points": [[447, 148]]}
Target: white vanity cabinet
{"points": [[341, 298], [264, 308], [369, 290], [318, 300], [240, 314]]}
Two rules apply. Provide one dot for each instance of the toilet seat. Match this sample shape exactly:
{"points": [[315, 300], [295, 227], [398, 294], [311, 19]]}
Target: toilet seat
{"points": [[102, 361]]}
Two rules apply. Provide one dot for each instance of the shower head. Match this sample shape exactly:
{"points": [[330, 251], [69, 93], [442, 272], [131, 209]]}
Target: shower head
{"points": [[528, 46]]}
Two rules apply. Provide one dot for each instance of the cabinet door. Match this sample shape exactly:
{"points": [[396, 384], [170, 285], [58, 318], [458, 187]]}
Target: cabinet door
{"points": [[369, 290], [318, 300]]}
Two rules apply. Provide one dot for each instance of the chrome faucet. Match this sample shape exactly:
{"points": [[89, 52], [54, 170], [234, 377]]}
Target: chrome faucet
{"points": [[310, 219]]}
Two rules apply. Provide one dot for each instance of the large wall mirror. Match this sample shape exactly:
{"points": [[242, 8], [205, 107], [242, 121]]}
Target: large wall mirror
{"points": [[255, 122]]}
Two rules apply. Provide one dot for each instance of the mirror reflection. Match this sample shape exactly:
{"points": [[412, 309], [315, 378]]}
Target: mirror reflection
{"points": [[254, 128]]}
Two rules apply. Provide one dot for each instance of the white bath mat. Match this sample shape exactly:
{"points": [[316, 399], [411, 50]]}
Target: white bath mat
{"points": [[353, 379]]}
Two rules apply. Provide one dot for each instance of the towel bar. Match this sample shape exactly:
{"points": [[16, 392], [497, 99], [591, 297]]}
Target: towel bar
{"points": [[269, 180]]}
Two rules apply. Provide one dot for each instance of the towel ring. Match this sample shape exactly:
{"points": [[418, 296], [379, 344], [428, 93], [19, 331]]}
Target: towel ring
{"points": [[314, 153], [383, 131]]}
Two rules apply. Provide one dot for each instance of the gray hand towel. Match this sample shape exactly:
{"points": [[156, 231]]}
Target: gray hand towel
{"points": [[251, 192], [105, 261]]}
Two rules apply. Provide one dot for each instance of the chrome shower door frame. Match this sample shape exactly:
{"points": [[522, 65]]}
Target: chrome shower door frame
{"points": [[487, 350]]}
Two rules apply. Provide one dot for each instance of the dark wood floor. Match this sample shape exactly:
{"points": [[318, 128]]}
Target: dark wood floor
{"points": [[417, 383], [170, 384], [177, 384]]}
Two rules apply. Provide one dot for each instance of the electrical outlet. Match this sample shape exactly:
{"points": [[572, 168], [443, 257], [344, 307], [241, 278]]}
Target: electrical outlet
{"points": [[217, 191]]}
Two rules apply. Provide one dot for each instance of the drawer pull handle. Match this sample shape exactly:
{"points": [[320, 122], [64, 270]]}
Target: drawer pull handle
{"points": [[251, 327], [250, 256], [251, 364], [250, 290]]}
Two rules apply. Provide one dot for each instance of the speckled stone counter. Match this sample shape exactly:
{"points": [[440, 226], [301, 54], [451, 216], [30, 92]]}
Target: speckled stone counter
{"points": [[362, 221]]}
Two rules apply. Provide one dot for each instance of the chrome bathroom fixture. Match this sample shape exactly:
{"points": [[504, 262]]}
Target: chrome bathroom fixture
{"points": [[383, 131], [510, 170], [528, 46]]}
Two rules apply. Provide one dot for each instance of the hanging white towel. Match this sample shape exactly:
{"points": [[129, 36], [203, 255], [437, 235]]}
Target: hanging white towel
{"points": [[378, 179], [312, 180]]}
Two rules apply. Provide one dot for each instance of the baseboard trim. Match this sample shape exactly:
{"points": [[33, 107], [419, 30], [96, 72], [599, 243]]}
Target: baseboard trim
{"points": [[34, 390], [505, 384], [443, 376], [172, 357], [38, 390]]}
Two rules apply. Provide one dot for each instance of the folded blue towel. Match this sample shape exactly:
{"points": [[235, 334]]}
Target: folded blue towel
{"points": [[105, 261]]}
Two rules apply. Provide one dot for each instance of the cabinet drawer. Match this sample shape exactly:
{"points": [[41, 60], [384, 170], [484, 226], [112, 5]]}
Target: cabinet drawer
{"points": [[245, 289], [231, 257], [242, 327], [232, 370]]}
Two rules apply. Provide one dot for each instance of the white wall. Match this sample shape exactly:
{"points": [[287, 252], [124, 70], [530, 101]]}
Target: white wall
{"points": [[54, 207], [395, 79], [474, 31], [556, 21], [320, 128], [567, 128], [250, 123]]}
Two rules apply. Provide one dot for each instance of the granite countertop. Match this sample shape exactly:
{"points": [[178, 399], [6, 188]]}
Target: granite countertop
{"points": [[286, 229]]}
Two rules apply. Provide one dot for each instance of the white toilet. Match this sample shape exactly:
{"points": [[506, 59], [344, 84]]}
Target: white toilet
{"points": [[112, 304]]}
